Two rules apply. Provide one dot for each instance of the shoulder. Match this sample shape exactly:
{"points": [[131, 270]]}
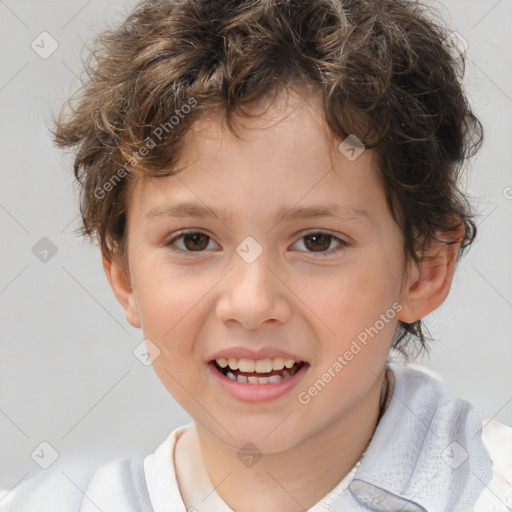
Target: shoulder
{"points": [[118, 486], [460, 418], [112, 486], [497, 496], [88, 486], [57, 490], [423, 395], [425, 391]]}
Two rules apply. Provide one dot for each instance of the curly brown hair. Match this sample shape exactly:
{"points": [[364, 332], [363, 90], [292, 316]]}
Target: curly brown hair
{"points": [[384, 69]]}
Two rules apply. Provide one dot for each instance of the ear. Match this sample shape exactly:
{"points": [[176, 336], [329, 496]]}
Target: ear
{"points": [[429, 280], [121, 286]]}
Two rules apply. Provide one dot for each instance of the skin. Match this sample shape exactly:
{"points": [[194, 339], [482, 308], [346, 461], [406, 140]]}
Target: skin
{"points": [[313, 304]]}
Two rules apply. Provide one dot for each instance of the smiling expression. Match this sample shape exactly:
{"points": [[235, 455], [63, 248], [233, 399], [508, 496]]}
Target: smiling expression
{"points": [[289, 253]]}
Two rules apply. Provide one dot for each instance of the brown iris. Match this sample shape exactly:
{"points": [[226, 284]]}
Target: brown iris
{"points": [[198, 241], [320, 241]]}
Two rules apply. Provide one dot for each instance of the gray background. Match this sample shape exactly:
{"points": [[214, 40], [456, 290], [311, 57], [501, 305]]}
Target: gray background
{"points": [[68, 375]]}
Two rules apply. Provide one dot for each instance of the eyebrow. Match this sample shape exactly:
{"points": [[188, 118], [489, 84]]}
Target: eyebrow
{"points": [[336, 211]]}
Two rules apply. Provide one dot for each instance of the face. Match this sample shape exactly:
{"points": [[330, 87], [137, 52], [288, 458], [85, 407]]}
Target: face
{"points": [[286, 251]]}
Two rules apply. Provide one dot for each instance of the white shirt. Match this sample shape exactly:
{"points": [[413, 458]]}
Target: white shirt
{"points": [[201, 496]]}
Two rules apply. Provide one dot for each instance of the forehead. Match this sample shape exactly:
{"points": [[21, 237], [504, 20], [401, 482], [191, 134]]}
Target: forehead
{"points": [[291, 117], [285, 155]]}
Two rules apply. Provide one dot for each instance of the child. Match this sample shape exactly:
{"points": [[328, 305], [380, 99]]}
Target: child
{"points": [[274, 188]]}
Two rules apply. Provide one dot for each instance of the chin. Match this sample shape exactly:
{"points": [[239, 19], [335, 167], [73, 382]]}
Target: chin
{"points": [[265, 437]]}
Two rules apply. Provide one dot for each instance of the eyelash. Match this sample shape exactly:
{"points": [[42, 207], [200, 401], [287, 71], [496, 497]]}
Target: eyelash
{"points": [[342, 243]]}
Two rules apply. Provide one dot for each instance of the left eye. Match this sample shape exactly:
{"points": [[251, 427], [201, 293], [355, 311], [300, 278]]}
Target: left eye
{"points": [[319, 242], [315, 242]]}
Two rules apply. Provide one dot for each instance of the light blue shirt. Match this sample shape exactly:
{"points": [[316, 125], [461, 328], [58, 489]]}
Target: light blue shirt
{"points": [[426, 454]]}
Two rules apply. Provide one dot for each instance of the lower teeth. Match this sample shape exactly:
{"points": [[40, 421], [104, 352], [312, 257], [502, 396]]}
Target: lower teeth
{"points": [[273, 379]]}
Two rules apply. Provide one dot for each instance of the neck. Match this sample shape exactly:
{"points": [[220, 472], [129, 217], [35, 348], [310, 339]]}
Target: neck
{"points": [[295, 479]]}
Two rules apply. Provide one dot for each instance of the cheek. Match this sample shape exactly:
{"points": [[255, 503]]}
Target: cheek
{"points": [[349, 301], [165, 295], [357, 305], [173, 306], [170, 304]]}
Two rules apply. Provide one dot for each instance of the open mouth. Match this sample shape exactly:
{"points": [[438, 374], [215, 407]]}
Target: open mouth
{"points": [[257, 372]]}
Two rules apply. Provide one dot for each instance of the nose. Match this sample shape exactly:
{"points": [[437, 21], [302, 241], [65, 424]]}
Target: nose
{"points": [[252, 296]]}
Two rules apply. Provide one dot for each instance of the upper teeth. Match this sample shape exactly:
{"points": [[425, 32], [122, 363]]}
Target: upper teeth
{"points": [[258, 366]]}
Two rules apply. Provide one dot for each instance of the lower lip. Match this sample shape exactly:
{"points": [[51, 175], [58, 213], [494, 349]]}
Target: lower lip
{"points": [[256, 392]]}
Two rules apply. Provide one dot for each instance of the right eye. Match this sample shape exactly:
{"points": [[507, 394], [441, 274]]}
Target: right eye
{"points": [[191, 241]]}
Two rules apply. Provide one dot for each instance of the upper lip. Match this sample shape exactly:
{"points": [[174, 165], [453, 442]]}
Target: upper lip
{"points": [[247, 353]]}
